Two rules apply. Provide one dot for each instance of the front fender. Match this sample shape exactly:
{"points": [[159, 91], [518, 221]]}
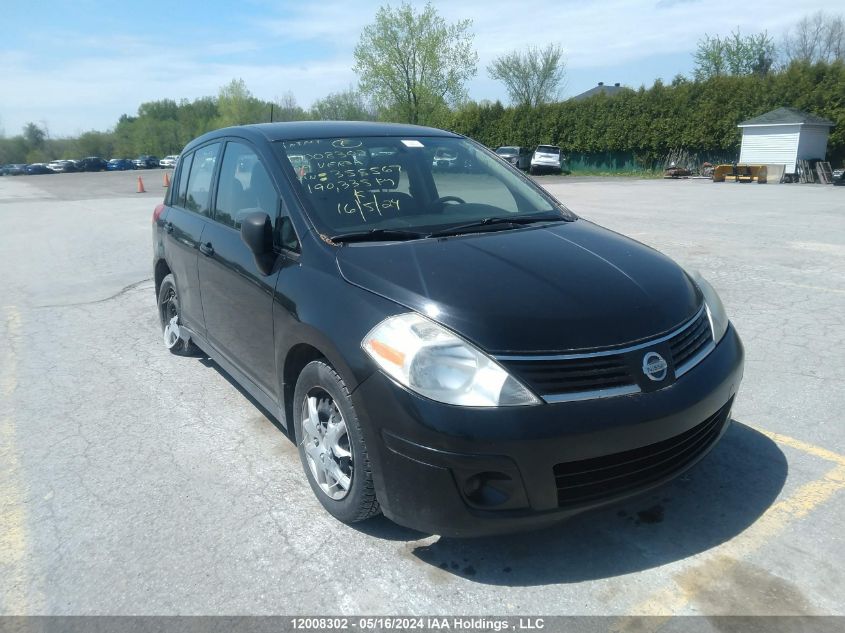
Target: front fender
{"points": [[319, 310]]}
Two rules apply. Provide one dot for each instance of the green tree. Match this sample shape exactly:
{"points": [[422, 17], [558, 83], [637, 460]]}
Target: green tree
{"points": [[532, 77], [13, 150], [237, 106], [34, 136], [195, 118], [95, 143], [288, 109], [736, 54], [412, 64], [346, 105]]}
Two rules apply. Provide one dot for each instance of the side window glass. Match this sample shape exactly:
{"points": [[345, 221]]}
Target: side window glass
{"points": [[199, 182], [243, 186], [182, 185], [286, 236]]}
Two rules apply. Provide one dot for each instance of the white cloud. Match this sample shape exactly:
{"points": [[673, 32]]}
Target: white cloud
{"points": [[606, 33], [113, 74]]}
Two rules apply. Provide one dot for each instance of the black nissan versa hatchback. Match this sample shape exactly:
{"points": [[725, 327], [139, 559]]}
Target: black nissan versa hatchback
{"points": [[454, 348]]}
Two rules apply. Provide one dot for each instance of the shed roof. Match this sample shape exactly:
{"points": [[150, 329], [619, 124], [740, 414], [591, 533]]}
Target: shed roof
{"points": [[786, 116]]}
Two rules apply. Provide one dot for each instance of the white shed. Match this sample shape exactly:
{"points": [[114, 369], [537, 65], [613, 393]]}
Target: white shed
{"points": [[783, 137]]}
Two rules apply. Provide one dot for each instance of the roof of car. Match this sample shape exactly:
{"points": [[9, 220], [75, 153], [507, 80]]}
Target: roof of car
{"points": [[297, 130]]}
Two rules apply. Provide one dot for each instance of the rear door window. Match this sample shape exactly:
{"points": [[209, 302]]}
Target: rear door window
{"points": [[199, 181]]}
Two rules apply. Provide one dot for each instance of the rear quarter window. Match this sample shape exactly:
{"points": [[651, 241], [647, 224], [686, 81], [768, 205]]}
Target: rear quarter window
{"points": [[181, 188]]}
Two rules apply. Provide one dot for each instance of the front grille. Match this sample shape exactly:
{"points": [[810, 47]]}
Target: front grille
{"points": [[615, 372], [688, 343], [569, 376], [591, 479]]}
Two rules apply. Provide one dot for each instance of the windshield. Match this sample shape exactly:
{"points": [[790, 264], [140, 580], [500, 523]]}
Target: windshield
{"points": [[402, 183], [548, 149], [507, 150]]}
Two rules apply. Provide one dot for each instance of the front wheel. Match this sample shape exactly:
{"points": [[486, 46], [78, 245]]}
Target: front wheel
{"points": [[331, 445]]}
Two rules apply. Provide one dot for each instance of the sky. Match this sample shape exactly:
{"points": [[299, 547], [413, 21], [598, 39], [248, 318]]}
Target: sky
{"points": [[77, 66]]}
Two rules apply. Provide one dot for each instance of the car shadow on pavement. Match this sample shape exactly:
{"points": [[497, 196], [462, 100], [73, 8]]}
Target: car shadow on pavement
{"points": [[209, 362], [709, 504]]}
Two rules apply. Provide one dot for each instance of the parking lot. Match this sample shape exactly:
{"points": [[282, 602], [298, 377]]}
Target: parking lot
{"points": [[133, 481]]}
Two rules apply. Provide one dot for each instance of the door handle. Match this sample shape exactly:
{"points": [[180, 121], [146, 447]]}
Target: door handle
{"points": [[207, 249], [168, 227]]}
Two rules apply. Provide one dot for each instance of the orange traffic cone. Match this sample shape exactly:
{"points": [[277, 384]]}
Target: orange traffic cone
{"points": [[166, 180], [141, 186]]}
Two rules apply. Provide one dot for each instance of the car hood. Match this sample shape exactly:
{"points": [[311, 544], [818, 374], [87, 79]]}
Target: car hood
{"points": [[563, 287]]}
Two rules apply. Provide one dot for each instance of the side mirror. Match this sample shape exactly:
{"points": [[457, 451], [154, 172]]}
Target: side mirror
{"points": [[257, 234]]}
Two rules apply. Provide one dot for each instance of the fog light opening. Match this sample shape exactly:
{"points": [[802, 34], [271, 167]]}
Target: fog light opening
{"points": [[488, 489]]}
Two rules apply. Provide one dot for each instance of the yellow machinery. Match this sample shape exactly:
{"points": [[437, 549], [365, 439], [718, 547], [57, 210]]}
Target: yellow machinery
{"points": [[740, 173]]}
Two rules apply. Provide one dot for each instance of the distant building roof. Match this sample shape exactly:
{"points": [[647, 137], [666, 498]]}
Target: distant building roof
{"points": [[600, 89], [786, 116]]}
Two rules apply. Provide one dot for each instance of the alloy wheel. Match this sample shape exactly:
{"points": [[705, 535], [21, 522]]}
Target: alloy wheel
{"points": [[325, 439], [170, 319]]}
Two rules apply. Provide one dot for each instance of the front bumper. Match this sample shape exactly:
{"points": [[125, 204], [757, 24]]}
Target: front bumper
{"points": [[553, 165], [467, 472]]}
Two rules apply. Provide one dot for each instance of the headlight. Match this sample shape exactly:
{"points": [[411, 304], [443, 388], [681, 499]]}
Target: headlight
{"points": [[715, 310], [435, 363]]}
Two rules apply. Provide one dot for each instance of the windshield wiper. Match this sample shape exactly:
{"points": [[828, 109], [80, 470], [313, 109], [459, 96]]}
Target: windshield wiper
{"points": [[516, 220], [377, 235]]}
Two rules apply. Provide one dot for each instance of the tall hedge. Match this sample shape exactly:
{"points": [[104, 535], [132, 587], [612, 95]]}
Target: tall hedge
{"points": [[700, 117]]}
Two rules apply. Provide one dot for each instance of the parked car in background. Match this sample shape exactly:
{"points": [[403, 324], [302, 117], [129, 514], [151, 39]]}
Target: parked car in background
{"points": [[519, 157], [839, 176], [92, 163], [444, 160], [36, 169], [62, 166], [145, 162], [546, 158], [14, 169], [455, 349], [120, 164], [168, 162]]}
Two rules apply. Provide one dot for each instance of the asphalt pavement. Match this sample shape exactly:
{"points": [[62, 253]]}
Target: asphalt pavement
{"points": [[136, 482]]}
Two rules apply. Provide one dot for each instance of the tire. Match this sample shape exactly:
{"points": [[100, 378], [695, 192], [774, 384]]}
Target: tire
{"points": [[333, 453], [168, 309]]}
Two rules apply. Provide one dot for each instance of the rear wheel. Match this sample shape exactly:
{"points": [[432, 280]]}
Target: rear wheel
{"points": [[331, 445], [170, 316]]}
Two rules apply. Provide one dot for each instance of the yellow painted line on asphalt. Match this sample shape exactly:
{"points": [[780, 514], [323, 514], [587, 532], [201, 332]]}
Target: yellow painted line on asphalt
{"points": [[804, 447], [14, 578], [651, 614]]}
